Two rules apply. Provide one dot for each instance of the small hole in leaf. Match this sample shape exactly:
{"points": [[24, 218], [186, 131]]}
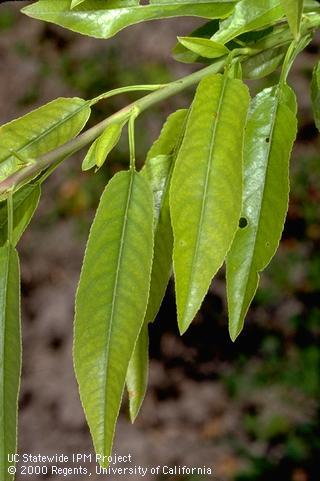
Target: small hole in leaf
{"points": [[268, 140], [243, 223]]}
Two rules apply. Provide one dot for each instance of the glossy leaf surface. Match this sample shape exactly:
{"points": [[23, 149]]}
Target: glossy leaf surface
{"points": [[111, 300], [157, 171], [40, 131], [204, 47], [206, 189], [263, 63], [105, 19], [10, 355], [293, 10], [270, 134], [249, 15], [25, 202], [102, 146], [315, 94]]}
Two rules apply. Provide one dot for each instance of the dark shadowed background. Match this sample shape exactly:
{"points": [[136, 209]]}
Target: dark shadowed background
{"points": [[249, 410]]}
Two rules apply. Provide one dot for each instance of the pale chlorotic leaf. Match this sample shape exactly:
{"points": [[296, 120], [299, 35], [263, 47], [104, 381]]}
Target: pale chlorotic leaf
{"points": [[157, 171], [25, 202], [102, 146], [40, 131], [249, 15], [206, 189], [10, 355], [111, 300], [270, 133], [315, 94], [293, 10], [75, 3], [204, 47], [104, 19], [182, 54], [137, 375], [263, 63]]}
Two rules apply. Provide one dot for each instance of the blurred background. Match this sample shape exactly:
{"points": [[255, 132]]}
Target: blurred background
{"points": [[248, 410]]}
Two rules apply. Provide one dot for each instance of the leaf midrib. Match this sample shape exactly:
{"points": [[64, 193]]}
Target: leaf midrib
{"points": [[207, 181], [115, 297]]}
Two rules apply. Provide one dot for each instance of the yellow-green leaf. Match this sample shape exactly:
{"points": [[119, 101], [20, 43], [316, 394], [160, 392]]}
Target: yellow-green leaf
{"points": [[111, 300], [40, 131], [206, 189], [102, 146], [204, 47], [157, 171], [293, 10], [10, 355], [315, 94], [270, 133]]}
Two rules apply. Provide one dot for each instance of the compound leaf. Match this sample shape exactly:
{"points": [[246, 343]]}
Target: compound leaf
{"points": [[111, 300], [158, 171], [293, 10], [270, 133], [248, 15], [25, 202], [10, 355], [315, 94], [103, 21], [206, 189], [40, 131]]}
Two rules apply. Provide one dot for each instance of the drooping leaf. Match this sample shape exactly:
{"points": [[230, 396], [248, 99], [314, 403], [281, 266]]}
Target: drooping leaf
{"points": [[137, 375], [105, 19], [315, 94], [204, 47], [249, 15], [182, 54], [111, 300], [102, 146], [206, 189], [270, 133], [263, 63], [158, 171], [293, 10], [10, 355], [25, 202], [40, 131]]}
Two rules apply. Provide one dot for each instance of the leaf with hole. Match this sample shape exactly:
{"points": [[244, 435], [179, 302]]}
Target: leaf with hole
{"points": [[111, 300], [270, 133], [206, 189], [105, 20], [10, 355]]}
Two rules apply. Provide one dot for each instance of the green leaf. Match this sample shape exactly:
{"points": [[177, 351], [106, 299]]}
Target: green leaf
{"points": [[249, 15], [204, 47], [137, 375], [263, 63], [25, 202], [206, 189], [103, 21], [315, 94], [75, 3], [102, 146], [111, 300], [10, 355], [40, 131], [293, 10], [182, 54], [157, 171], [270, 133]]}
